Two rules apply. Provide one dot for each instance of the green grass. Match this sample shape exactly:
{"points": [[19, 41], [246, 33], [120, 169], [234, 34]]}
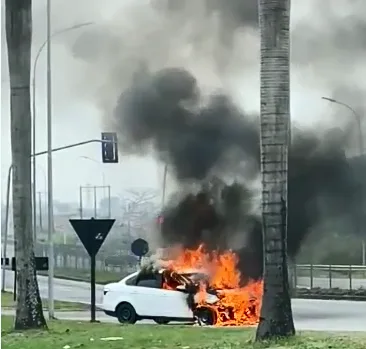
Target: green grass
{"points": [[7, 303], [84, 334], [102, 277]]}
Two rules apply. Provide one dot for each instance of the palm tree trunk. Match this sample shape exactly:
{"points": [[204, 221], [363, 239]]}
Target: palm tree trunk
{"points": [[274, 20], [29, 312]]}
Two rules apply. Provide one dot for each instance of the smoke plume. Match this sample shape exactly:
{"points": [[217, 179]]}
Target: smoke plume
{"points": [[201, 137], [182, 67]]}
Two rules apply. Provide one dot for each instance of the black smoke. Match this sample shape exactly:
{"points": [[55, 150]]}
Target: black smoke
{"points": [[164, 111], [203, 139]]}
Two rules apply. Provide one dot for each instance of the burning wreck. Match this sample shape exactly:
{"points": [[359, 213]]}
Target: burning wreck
{"points": [[213, 285], [194, 285]]}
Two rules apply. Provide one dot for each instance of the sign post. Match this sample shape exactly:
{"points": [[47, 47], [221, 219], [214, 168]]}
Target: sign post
{"points": [[140, 248], [92, 233]]}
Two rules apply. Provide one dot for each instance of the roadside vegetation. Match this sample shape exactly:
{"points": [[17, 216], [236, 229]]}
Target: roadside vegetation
{"points": [[76, 334]]}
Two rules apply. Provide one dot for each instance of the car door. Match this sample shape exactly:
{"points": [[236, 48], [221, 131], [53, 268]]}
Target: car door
{"points": [[149, 298], [176, 305]]}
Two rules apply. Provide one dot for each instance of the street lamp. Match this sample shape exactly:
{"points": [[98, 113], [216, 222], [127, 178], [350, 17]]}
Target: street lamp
{"points": [[34, 168], [50, 222], [358, 120], [97, 162]]}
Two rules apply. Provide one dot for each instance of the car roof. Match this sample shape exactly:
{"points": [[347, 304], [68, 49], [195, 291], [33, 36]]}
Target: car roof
{"points": [[130, 276]]}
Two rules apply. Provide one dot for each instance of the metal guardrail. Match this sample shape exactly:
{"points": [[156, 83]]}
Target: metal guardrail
{"points": [[346, 277], [332, 266]]}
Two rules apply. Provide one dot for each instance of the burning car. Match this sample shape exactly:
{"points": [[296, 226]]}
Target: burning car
{"points": [[209, 293]]}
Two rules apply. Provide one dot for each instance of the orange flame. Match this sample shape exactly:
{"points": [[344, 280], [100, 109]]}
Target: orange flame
{"points": [[237, 305]]}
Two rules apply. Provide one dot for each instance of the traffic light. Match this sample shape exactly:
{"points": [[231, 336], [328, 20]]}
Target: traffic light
{"points": [[109, 148]]}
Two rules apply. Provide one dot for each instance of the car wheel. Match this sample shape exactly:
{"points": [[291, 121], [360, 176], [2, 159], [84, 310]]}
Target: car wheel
{"points": [[126, 313], [206, 316], [161, 321]]}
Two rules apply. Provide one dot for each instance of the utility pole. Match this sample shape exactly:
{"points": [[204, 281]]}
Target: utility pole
{"points": [[88, 188], [95, 201]]}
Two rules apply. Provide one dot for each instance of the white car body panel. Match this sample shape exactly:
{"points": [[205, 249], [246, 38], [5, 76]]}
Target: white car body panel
{"points": [[147, 301]]}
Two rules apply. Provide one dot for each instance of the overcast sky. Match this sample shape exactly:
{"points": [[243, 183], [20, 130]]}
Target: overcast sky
{"points": [[329, 59]]}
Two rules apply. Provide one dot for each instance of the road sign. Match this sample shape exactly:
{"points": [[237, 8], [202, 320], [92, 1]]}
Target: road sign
{"points": [[92, 233], [140, 247], [109, 147], [41, 264], [5, 261]]}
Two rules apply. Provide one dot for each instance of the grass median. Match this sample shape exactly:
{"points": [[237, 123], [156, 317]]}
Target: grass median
{"points": [[7, 303], [76, 334]]}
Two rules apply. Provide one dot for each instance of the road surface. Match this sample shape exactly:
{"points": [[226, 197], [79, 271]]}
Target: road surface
{"points": [[314, 315], [309, 315], [64, 290]]}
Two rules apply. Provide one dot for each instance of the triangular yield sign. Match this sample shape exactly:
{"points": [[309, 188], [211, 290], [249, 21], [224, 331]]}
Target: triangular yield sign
{"points": [[92, 232]]}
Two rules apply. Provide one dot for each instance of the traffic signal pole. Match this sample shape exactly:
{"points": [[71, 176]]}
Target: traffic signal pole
{"points": [[102, 141], [75, 145]]}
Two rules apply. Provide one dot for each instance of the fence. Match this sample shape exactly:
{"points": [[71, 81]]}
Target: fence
{"points": [[346, 277], [73, 257]]}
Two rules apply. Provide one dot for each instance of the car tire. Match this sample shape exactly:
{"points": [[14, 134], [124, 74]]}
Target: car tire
{"points": [[206, 316], [161, 321], [126, 314]]}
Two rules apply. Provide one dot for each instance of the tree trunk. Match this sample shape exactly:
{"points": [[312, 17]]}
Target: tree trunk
{"points": [[29, 312], [274, 20]]}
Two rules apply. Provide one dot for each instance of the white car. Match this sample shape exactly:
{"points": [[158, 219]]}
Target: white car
{"points": [[138, 297]]}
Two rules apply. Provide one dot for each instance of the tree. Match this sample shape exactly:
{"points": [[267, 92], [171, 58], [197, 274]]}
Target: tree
{"points": [[274, 21], [18, 21]]}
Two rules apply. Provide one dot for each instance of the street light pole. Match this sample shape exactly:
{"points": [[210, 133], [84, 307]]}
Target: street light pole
{"points": [[361, 149], [34, 169], [49, 168]]}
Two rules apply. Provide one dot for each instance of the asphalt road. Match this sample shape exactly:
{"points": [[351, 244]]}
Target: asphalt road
{"points": [[314, 315], [64, 290]]}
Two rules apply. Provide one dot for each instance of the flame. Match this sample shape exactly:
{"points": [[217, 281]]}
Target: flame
{"points": [[237, 305]]}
